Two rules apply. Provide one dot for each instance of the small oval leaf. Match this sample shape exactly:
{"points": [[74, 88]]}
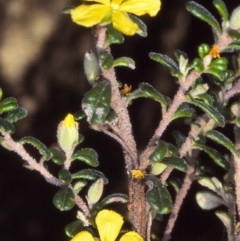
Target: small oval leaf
{"points": [[158, 196], [222, 9], [159, 153], [37, 144], [64, 199], [216, 156], [164, 60], [207, 200], [57, 156], [8, 104], [65, 176], [222, 140], [73, 228], [86, 155], [96, 103], [202, 13], [210, 110], [16, 115], [124, 61], [176, 163], [184, 111], [6, 126], [90, 174]]}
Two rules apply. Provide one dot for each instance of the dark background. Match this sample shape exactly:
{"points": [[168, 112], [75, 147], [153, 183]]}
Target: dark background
{"points": [[41, 55]]}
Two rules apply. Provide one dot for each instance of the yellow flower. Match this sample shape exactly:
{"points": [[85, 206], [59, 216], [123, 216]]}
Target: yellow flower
{"points": [[138, 174], [109, 224], [126, 89], [214, 52], [115, 12]]}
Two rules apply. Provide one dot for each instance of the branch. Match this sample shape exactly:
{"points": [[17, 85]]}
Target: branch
{"points": [[117, 103], [34, 165]]}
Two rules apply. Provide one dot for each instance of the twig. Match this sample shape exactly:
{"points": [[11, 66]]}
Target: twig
{"points": [[187, 182], [34, 165], [117, 103]]}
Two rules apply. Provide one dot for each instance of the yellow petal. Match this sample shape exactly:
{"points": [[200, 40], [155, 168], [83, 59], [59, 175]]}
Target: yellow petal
{"points": [[69, 121], [83, 236], [89, 15], [131, 236], [104, 2], [117, 1], [109, 224], [141, 7], [124, 24]]}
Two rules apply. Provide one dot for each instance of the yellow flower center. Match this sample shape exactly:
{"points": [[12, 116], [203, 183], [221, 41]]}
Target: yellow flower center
{"points": [[114, 6]]}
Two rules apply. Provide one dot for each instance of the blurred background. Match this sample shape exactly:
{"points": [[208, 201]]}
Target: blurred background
{"points": [[41, 64]]}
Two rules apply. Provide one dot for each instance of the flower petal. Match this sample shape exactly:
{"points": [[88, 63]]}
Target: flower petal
{"points": [[89, 15], [141, 7], [131, 236], [124, 24], [83, 236], [104, 2], [109, 224]]}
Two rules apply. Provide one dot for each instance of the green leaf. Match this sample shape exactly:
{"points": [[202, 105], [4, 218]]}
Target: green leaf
{"points": [[207, 182], [8, 104], [208, 201], [164, 60], [233, 46], [73, 228], [179, 138], [106, 60], [37, 144], [235, 35], [90, 174], [157, 168], [6, 126], [184, 111], [86, 155], [96, 103], [158, 196], [65, 176], [57, 156], [210, 110], [176, 163], [198, 65], [95, 192], [64, 199], [91, 67], [222, 9], [172, 150], [203, 50], [78, 186], [219, 64], [113, 36], [222, 140], [140, 24], [124, 61], [200, 12], [216, 156], [116, 197], [159, 153], [79, 115], [148, 91], [15, 115], [227, 222], [179, 53]]}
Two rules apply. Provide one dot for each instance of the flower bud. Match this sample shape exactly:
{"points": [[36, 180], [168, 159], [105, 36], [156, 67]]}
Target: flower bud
{"points": [[67, 135]]}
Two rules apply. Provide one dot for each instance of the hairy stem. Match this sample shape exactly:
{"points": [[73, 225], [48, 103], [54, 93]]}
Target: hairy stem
{"points": [[34, 165]]}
